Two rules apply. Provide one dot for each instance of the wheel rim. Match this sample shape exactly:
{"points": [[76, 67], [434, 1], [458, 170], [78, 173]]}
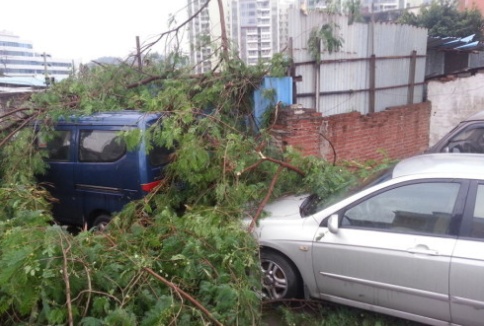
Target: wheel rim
{"points": [[101, 227], [274, 280], [101, 223]]}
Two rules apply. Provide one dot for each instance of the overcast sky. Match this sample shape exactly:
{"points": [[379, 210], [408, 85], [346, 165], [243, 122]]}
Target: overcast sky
{"points": [[88, 29]]}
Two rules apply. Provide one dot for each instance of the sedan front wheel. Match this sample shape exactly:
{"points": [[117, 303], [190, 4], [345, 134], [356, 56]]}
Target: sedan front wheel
{"points": [[280, 280]]}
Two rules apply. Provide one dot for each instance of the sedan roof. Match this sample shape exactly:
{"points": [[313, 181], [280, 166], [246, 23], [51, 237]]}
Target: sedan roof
{"points": [[441, 163]]}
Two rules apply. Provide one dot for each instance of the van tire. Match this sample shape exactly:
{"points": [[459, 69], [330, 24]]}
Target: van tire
{"points": [[101, 222]]}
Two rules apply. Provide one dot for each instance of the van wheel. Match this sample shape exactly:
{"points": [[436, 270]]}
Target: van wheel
{"points": [[101, 222]]}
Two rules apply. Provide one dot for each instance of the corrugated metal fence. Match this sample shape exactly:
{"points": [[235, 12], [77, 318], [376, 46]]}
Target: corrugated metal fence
{"points": [[379, 65]]}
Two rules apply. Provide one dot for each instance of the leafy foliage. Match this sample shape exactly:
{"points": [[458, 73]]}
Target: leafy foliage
{"points": [[180, 255], [326, 34], [442, 18]]}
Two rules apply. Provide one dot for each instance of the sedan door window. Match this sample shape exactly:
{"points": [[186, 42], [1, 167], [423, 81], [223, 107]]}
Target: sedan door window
{"points": [[477, 226], [413, 208]]}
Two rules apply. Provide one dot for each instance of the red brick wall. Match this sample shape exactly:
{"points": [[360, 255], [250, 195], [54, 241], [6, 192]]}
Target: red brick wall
{"points": [[299, 128], [395, 133]]}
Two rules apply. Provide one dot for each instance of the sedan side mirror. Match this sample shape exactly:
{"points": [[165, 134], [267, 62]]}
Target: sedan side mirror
{"points": [[333, 223]]}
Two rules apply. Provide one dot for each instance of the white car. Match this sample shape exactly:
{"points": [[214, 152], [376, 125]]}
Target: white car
{"points": [[410, 246]]}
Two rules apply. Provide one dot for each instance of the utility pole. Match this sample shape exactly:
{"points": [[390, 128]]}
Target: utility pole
{"points": [[225, 42], [46, 73], [138, 54]]}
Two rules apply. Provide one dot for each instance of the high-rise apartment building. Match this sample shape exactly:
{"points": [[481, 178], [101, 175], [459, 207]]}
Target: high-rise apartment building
{"points": [[257, 29], [204, 32], [366, 6], [315, 4], [18, 59], [251, 26]]}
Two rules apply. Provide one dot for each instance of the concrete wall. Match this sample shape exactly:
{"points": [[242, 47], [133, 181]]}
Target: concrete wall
{"points": [[453, 99]]}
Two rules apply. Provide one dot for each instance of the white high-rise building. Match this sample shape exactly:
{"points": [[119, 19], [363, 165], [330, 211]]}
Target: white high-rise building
{"points": [[257, 29], [18, 59], [204, 32]]}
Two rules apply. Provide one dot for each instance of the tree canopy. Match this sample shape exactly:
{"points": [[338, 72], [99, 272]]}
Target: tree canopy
{"points": [[443, 18]]}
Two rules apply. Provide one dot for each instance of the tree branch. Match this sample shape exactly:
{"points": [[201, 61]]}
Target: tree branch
{"points": [[65, 275], [10, 135], [12, 112], [176, 29], [266, 198], [145, 81], [185, 295]]}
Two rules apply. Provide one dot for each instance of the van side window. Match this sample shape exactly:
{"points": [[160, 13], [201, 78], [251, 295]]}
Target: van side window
{"points": [[159, 155], [57, 147], [100, 146]]}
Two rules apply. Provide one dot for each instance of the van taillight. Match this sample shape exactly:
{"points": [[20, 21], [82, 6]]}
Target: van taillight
{"points": [[150, 186]]}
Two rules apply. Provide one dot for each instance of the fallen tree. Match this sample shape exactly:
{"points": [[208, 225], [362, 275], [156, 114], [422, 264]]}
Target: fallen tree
{"points": [[180, 255], [157, 264]]}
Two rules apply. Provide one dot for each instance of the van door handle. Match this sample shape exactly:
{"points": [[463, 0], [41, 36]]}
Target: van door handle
{"points": [[423, 250]]}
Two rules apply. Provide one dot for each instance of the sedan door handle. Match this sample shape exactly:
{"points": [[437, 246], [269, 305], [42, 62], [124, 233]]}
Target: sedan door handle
{"points": [[423, 250]]}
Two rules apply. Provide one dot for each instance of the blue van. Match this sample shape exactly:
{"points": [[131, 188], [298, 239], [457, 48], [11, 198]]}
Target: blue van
{"points": [[91, 171]]}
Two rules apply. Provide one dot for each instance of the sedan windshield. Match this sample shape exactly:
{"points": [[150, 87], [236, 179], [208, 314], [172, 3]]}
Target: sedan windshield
{"points": [[315, 203]]}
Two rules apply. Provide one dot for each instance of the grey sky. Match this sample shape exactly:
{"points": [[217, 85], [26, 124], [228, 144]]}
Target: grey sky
{"points": [[89, 29]]}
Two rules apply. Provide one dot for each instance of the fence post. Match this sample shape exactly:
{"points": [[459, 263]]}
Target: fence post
{"points": [[411, 77], [317, 85], [371, 97], [292, 70]]}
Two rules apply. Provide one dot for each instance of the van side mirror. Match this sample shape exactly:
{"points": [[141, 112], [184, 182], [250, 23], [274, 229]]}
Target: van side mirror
{"points": [[333, 223]]}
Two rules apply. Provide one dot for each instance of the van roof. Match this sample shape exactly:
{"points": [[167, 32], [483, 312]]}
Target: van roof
{"points": [[115, 118], [451, 164]]}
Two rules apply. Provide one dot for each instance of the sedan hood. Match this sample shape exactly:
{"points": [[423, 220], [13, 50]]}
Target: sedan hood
{"points": [[282, 221], [285, 208]]}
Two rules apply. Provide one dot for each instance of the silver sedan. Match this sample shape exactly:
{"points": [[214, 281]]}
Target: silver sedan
{"points": [[411, 245]]}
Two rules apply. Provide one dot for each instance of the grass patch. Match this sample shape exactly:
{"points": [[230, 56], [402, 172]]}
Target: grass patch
{"points": [[315, 313]]}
